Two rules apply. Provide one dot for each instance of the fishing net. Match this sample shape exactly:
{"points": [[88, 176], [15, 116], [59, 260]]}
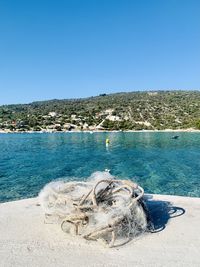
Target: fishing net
{"points": [[101, 208]]}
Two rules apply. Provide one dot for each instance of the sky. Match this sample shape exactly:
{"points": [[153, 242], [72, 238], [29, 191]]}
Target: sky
{"points": [[78, 48]]}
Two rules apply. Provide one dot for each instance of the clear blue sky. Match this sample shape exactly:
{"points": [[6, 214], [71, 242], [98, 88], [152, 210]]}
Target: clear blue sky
{"points": [[78, 48]]}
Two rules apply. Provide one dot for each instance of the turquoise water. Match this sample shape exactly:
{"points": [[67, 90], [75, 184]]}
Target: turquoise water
{"points": [[156, 161]]}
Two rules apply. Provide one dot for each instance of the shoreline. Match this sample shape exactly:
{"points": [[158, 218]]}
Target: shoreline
{"points": [[189, 130], [146, 194], [27, 241], [174, 197]]}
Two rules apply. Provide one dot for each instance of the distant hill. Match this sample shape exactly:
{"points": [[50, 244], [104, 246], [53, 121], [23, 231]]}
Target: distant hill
{"points": [[121, 111]]}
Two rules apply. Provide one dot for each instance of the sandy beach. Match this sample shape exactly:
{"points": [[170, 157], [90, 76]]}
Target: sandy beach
{"points": [[27, 241]]}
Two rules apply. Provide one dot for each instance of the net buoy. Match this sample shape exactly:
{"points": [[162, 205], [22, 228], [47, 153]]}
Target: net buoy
{"points": [[107, 141]]}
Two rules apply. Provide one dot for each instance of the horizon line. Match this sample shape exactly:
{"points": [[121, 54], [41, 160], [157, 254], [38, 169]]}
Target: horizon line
{"points": [[103, 94]]}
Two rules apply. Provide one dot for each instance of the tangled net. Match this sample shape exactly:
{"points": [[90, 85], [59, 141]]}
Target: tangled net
{"points": [[103, 208]]}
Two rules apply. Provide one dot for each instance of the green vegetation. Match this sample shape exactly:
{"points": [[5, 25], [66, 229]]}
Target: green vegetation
{"points": [[121, 111]]}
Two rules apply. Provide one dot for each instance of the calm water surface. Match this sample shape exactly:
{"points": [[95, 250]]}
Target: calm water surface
{"points": [[156, 161]]}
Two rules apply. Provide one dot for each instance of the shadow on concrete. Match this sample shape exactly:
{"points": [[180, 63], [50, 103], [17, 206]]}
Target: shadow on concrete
{"points": [[160, 212]]}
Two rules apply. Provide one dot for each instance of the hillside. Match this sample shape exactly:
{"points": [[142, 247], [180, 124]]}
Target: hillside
{"points": [[122, 111]]}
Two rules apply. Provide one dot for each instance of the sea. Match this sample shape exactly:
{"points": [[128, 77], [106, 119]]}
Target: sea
{"points": [[155, 160]]}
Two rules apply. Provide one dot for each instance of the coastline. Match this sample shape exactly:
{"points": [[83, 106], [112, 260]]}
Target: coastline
{"points": [[190, 130], [27, 241]]}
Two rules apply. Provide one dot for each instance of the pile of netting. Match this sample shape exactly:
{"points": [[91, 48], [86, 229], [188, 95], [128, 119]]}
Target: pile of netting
{"points": [[102, 208]]}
